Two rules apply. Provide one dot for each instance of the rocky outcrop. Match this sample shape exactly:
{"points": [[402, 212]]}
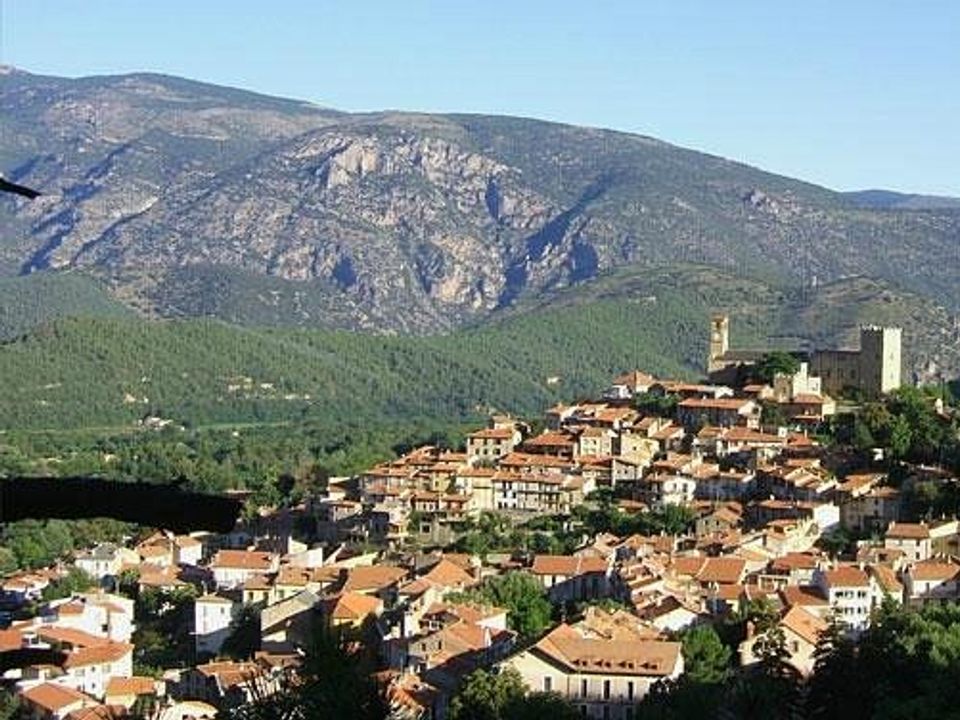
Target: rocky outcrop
{"points": [[405, 222]]}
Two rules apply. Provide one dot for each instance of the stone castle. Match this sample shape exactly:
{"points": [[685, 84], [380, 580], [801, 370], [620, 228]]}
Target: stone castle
{"points": [[874, 369]]}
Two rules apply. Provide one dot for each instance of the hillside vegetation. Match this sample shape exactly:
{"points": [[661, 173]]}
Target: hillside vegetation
{"points": [[95, 372]]}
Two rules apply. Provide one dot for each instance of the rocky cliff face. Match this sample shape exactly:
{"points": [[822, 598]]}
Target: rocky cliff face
{"points": [[402, 222]]}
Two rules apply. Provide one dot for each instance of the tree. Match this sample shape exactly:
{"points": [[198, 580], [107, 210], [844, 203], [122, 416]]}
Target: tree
{"points": [[8, 561], [528, 609], [487, 696], [771, 689], [244, 638], [335, 680], [75, 581], [835, 542], [10, 706], [775, 363], [900, 437], [706, 659], [541, 706]]}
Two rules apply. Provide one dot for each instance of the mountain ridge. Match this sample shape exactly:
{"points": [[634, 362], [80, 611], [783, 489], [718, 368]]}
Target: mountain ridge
{"points": [[181, 195]]}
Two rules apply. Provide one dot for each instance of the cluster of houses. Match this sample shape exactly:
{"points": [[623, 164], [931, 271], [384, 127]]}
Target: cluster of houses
{"points": [[762, 499]]}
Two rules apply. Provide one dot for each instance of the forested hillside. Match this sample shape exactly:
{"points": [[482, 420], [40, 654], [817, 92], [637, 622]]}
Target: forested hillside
{"points": [[102, 372]]}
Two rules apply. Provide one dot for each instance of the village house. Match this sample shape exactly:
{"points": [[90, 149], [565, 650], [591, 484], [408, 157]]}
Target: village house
{"points": [[492, 443], [101, 614], [572, 577], [862, 508], [932, 581], [912, 539], [226, 684], [350, 609], [604, 678], [52, 701], [851, 594], [232, 568], [694, 413], [103, 562], [801, 632], [629, 385], [89, 664], [212, 617]]}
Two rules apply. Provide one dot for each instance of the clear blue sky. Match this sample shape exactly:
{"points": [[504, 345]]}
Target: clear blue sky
{"points": [[847, 93]]}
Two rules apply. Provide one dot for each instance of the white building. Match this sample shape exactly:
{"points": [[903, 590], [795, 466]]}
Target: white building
{"points": [[232, 568], [603, 677], [212, 615], [851, 594]]}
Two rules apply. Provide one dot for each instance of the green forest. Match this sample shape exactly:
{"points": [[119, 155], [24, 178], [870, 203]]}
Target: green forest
{"points": [[96, 372]]}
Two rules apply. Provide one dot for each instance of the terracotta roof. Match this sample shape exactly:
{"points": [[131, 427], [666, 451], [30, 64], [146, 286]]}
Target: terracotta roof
{"points": [[846, 576], [243, 559], [10, 639], [934, 570], [794, 561], [886, 579], [567, 565], [53, 698], [722, 570], [690, 565], [492, 434], [74, 607], [70, 636], [373, 577], [353, 606], [908, 531], [293, 576], [803, 623], [550, 438], [136, 685], [470, 613], [111, 652], [586, 655], [99, 712], [743, 434], [230, 673], [855, 482], [716, 403], [804, 595], [448, 574]]}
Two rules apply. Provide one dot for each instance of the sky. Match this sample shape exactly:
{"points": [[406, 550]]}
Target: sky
{"points": [[850, 94]]}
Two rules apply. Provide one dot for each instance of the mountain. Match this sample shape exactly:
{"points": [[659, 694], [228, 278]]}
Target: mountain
{"points": [[184, 199], [890, 200]]}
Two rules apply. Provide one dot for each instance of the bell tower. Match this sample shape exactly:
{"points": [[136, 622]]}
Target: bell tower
{"points": [[719, 339]]}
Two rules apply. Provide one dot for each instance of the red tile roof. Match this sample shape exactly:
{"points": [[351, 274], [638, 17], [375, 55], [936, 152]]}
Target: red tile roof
{"points": [[53, 698]]}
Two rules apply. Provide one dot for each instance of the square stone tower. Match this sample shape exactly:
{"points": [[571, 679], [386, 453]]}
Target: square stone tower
{"points": [[719, 341], [879, 359]]}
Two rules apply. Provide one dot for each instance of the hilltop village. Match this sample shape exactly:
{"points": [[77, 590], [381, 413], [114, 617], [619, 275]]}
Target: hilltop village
{"points": [[656, 507]]}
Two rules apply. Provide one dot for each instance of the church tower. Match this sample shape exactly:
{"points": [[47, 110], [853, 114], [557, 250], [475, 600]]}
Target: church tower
{"points": [[719, 340]]}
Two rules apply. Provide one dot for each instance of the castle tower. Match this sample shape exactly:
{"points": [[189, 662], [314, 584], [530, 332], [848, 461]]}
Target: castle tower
{"points": [[719, 340], [880, 357]]}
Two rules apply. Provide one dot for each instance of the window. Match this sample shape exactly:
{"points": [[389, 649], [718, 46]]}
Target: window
{"points": [[606, 689], [583, 688], [630, 690], [547, 684]]}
